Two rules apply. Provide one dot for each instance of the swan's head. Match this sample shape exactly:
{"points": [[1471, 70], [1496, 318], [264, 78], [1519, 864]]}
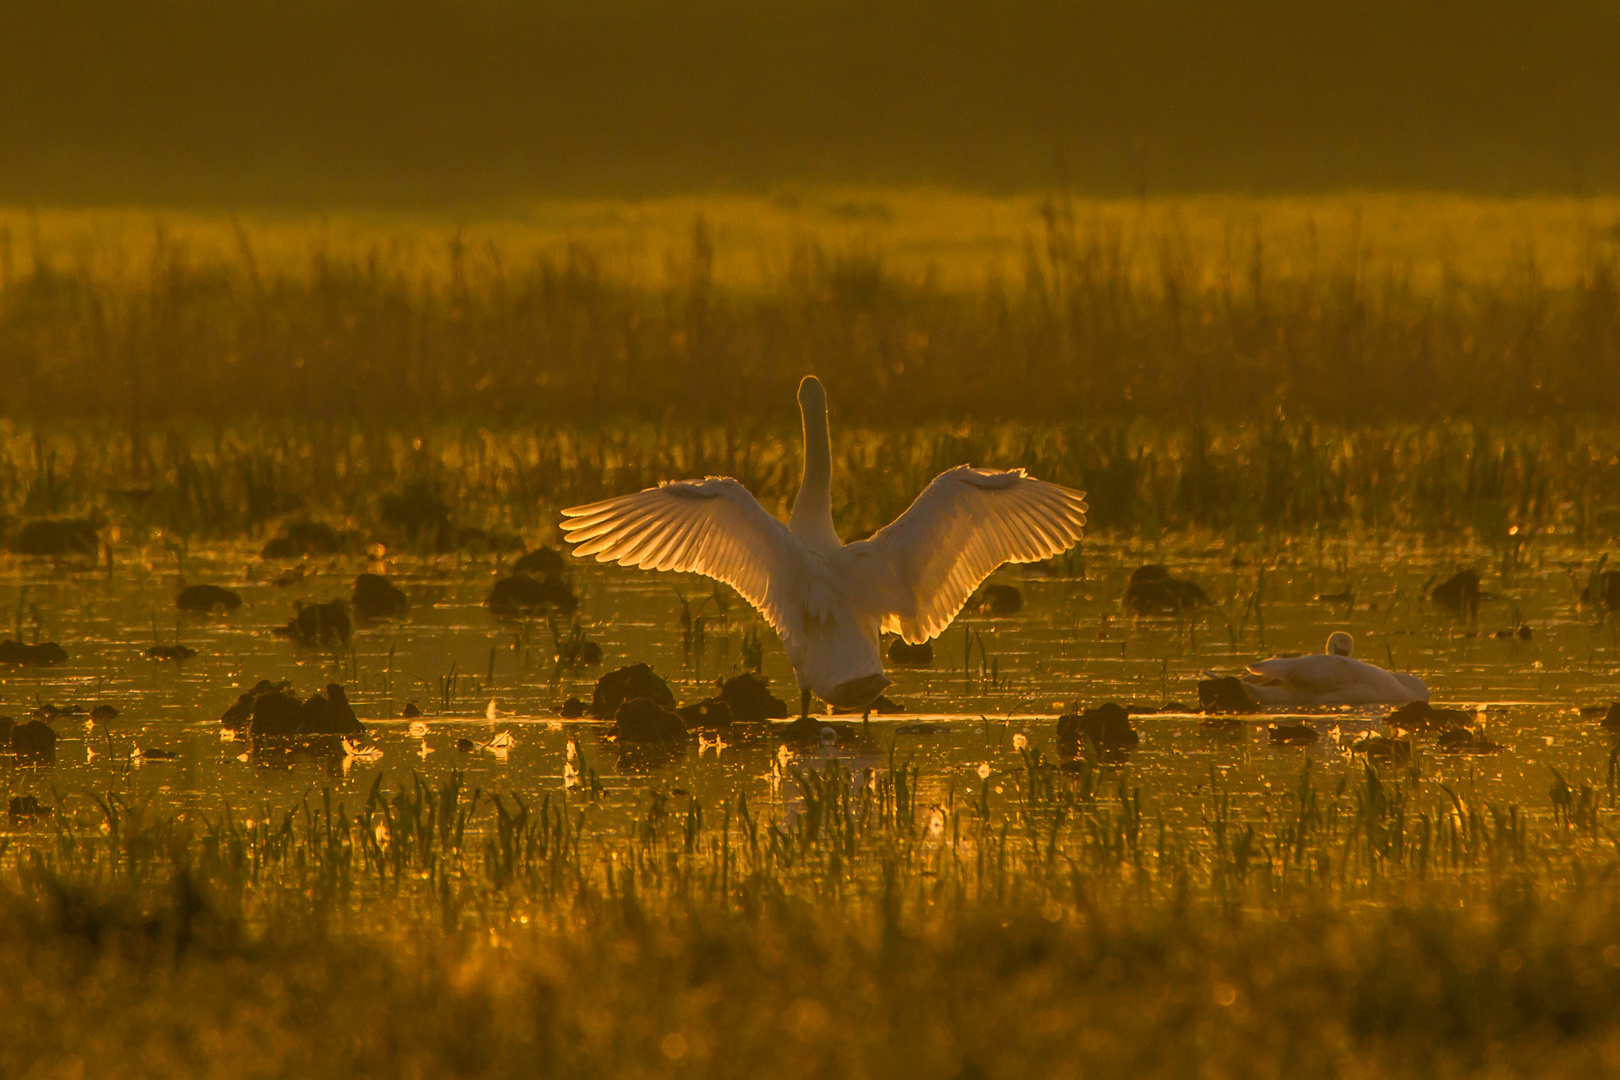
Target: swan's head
{"points": [[812, 396], [1340, 643]]}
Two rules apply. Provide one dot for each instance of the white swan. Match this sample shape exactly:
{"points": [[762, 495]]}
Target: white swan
{"points": [[828, 600], [1330, 678]]}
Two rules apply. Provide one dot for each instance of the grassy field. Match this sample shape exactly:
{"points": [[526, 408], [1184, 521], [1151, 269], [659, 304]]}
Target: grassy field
{"points": [[1355, 925], [911, 306], [1495, 485], [1443, 367]]}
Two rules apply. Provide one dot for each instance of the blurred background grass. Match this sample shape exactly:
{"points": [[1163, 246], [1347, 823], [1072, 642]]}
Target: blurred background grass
{"points": [[913, 307]]}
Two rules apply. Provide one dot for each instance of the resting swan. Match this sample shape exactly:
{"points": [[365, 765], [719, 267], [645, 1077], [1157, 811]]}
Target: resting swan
{"points": [[1330, 678], [828, 600]]}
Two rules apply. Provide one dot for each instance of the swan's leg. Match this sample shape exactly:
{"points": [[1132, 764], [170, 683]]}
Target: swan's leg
{"points": [[866, 723], [804, 702]]}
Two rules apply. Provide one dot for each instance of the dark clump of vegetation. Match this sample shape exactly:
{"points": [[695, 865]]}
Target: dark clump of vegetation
{"points": [[303, 538], [710, 714], [274, 712], [543, 561], [319, 624], [1106, 726], [1421, 716], [1382, 748], [1459, 593], [1152, 590], [623, 684], [521, 594], [240, 711], [905, 654], [21, 809], [207, 597], [640, 720], [375, 597], [1603, 590], [420, 512], [75, 536], [1293, 733], [1225, 694], [33, 742], [748, 699], [39, 654]]}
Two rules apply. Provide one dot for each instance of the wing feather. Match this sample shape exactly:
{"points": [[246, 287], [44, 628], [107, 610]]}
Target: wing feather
{"points": [[965, 524], [712, 527]]}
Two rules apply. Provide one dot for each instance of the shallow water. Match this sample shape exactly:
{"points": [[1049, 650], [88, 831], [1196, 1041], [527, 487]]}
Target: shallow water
{"points": [[1071, 645]]}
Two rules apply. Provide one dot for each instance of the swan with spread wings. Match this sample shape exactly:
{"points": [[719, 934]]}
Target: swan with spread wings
{"points": [[828, 600]]}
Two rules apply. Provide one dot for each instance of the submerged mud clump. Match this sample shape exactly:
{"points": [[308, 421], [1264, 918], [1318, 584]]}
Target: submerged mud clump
{"points": [[302, 538], [643, 721], [58, 536], [319, 624], [40, 654], [207, 598], [375, 597], [522, 594], [1152, 591], [623, 684], [1108, 726], [271, 710]]}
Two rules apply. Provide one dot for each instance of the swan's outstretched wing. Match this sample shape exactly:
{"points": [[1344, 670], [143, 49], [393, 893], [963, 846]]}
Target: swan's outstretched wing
{"points": [[965, 524], [712, 527]]}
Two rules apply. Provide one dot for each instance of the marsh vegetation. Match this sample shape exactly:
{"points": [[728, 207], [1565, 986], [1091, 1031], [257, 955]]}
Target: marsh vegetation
{"points": [[213, 433]]}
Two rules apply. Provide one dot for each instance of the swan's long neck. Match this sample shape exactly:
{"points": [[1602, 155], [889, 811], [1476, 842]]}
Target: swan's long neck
{"points": [[811, 521]]}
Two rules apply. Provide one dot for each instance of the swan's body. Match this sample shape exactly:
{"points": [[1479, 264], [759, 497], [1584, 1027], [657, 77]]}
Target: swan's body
{"points": [[1330, 678], [827, 600]]}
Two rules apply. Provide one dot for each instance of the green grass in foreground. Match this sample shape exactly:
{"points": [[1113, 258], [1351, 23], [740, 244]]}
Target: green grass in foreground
{"points": [[1360, 925]]}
